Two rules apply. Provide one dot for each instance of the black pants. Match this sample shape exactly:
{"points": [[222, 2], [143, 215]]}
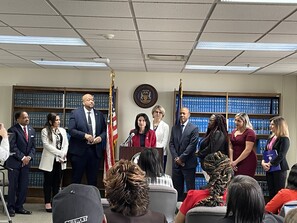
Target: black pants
{"points": [[88, 163], [179, 176], [52, 181], [275, 181]]}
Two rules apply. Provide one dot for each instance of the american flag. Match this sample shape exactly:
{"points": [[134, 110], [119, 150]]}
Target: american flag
{"points": [[179, 102], [112, 130]]}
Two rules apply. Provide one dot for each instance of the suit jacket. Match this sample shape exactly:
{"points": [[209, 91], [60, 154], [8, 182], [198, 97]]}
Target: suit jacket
{"points": [[150, 139], [78, 127], [50, 152], [184, 146], [281, 145], [19, 147]]}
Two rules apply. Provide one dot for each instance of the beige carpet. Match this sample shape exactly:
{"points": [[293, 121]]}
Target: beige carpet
{"points": [[39, 215]]}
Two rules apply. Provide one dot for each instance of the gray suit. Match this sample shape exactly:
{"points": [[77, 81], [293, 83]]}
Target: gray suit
{"points": [[184, 146]]}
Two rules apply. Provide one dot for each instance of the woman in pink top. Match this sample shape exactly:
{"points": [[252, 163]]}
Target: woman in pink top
{"points": [[284, 195], [279, 142]]}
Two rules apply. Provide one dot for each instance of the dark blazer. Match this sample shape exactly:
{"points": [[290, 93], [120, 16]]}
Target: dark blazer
{"points": [[184, 146], [78, 127], [19, 147], [281, 145]]}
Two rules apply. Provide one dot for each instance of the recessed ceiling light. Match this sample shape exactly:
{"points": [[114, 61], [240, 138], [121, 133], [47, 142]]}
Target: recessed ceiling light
{"points": [[68, 63], [39, 40], [246, 46], [264, 1], [228, 68]]}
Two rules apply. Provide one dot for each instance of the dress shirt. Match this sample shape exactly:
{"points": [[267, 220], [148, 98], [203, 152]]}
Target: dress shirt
{"points": [[92, 115]]}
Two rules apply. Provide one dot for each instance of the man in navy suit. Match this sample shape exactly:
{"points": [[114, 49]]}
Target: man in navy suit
{"points": [[87, 129], [22, 150], [182, 145]]}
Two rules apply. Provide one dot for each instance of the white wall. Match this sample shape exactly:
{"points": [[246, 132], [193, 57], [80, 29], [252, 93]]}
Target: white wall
{"points": [[165, 84]]}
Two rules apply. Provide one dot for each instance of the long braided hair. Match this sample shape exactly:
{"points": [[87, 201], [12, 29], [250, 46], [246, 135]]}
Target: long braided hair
{"points": [[218, 167]]}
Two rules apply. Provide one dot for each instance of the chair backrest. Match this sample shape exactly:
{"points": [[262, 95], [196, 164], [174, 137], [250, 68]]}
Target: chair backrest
{"points": [[287, 207], [104, 203], [163, 199], [205, 214]]}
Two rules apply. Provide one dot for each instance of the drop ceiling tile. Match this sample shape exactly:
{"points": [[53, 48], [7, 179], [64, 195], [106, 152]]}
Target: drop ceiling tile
{"points": [[82, 49], [251, 12], [168, 36], [8, 31], [166, 45], [286, 28], [228, 26], [279, 38], [166, 51], [169, 25], [113, 43], [101, 23], [20, 47], [216, 53], [98, 34], [26, 7], [52, 32], [93, 8], [172, 10]]}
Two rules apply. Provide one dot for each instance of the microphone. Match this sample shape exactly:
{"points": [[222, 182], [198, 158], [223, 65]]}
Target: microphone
{"points": [[128, 139]]}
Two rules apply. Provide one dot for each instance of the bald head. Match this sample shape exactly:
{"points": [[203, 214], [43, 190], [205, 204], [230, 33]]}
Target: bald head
{"points": [[88, 101]]}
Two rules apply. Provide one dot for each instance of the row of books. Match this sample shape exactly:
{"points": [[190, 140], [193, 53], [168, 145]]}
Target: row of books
{"points": [[263, 185], [36, 159], [38, 141], [259, 169], [36, 179], [205, 104], [235, 104], [38, 119], [199, 183], [253, 105], [57, 100], [260, 126], [74, 100], [39, 99], [261, 146]]}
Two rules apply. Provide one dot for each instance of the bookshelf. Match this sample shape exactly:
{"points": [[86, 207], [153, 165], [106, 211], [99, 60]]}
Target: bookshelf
{"points": [[260, 107], [38, 102]]}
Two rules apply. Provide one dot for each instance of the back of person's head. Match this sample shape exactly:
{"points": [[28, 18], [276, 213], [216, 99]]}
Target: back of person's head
{"points": [[126, 189], [218, 167], [78, 203], [291, 217], [245, 200], [292, 178], [149, 161]]}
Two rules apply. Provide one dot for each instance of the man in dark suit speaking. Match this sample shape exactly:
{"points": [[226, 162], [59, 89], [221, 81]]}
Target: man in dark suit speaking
{"points": [[87, 129], [182, 145], [22, 150]]}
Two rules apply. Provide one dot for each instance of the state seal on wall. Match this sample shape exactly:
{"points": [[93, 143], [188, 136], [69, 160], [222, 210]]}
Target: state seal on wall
{"points": [[145, 96]]}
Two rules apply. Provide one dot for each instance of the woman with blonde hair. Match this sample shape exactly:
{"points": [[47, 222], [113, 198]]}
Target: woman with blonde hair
{"points": [[278, 142], [243, 157]]}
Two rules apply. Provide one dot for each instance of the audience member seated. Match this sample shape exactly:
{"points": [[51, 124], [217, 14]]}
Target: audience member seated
{"points": [[284, 195], [291, 217], [149, 161], [126, 190], [245, 202], [78, 203], [218, 167]]}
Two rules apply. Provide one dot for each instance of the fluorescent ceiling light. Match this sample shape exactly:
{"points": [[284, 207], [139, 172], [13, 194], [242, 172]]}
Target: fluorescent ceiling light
{"points": [[68, 63], [264, 1], [39, 40], [246, 46], [229, 68]]}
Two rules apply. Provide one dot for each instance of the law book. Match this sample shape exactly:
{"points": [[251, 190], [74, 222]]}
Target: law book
{"points": [[269, 155]]}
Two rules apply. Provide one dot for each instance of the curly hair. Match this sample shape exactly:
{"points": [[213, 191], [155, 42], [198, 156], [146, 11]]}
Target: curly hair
{"points": [[126, 189], [218, 167], [292, 178], [218, 125]]}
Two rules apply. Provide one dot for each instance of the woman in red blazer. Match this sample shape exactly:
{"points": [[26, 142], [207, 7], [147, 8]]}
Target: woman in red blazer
{"points": [[144, 136]]}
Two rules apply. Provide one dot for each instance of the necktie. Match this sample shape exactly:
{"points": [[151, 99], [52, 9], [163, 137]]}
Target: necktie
{"points": [[26, 134], [90, 123], [182, 128]]}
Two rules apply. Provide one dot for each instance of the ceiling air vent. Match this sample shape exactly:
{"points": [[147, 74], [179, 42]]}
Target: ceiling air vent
{"points": [[165, 57]]}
